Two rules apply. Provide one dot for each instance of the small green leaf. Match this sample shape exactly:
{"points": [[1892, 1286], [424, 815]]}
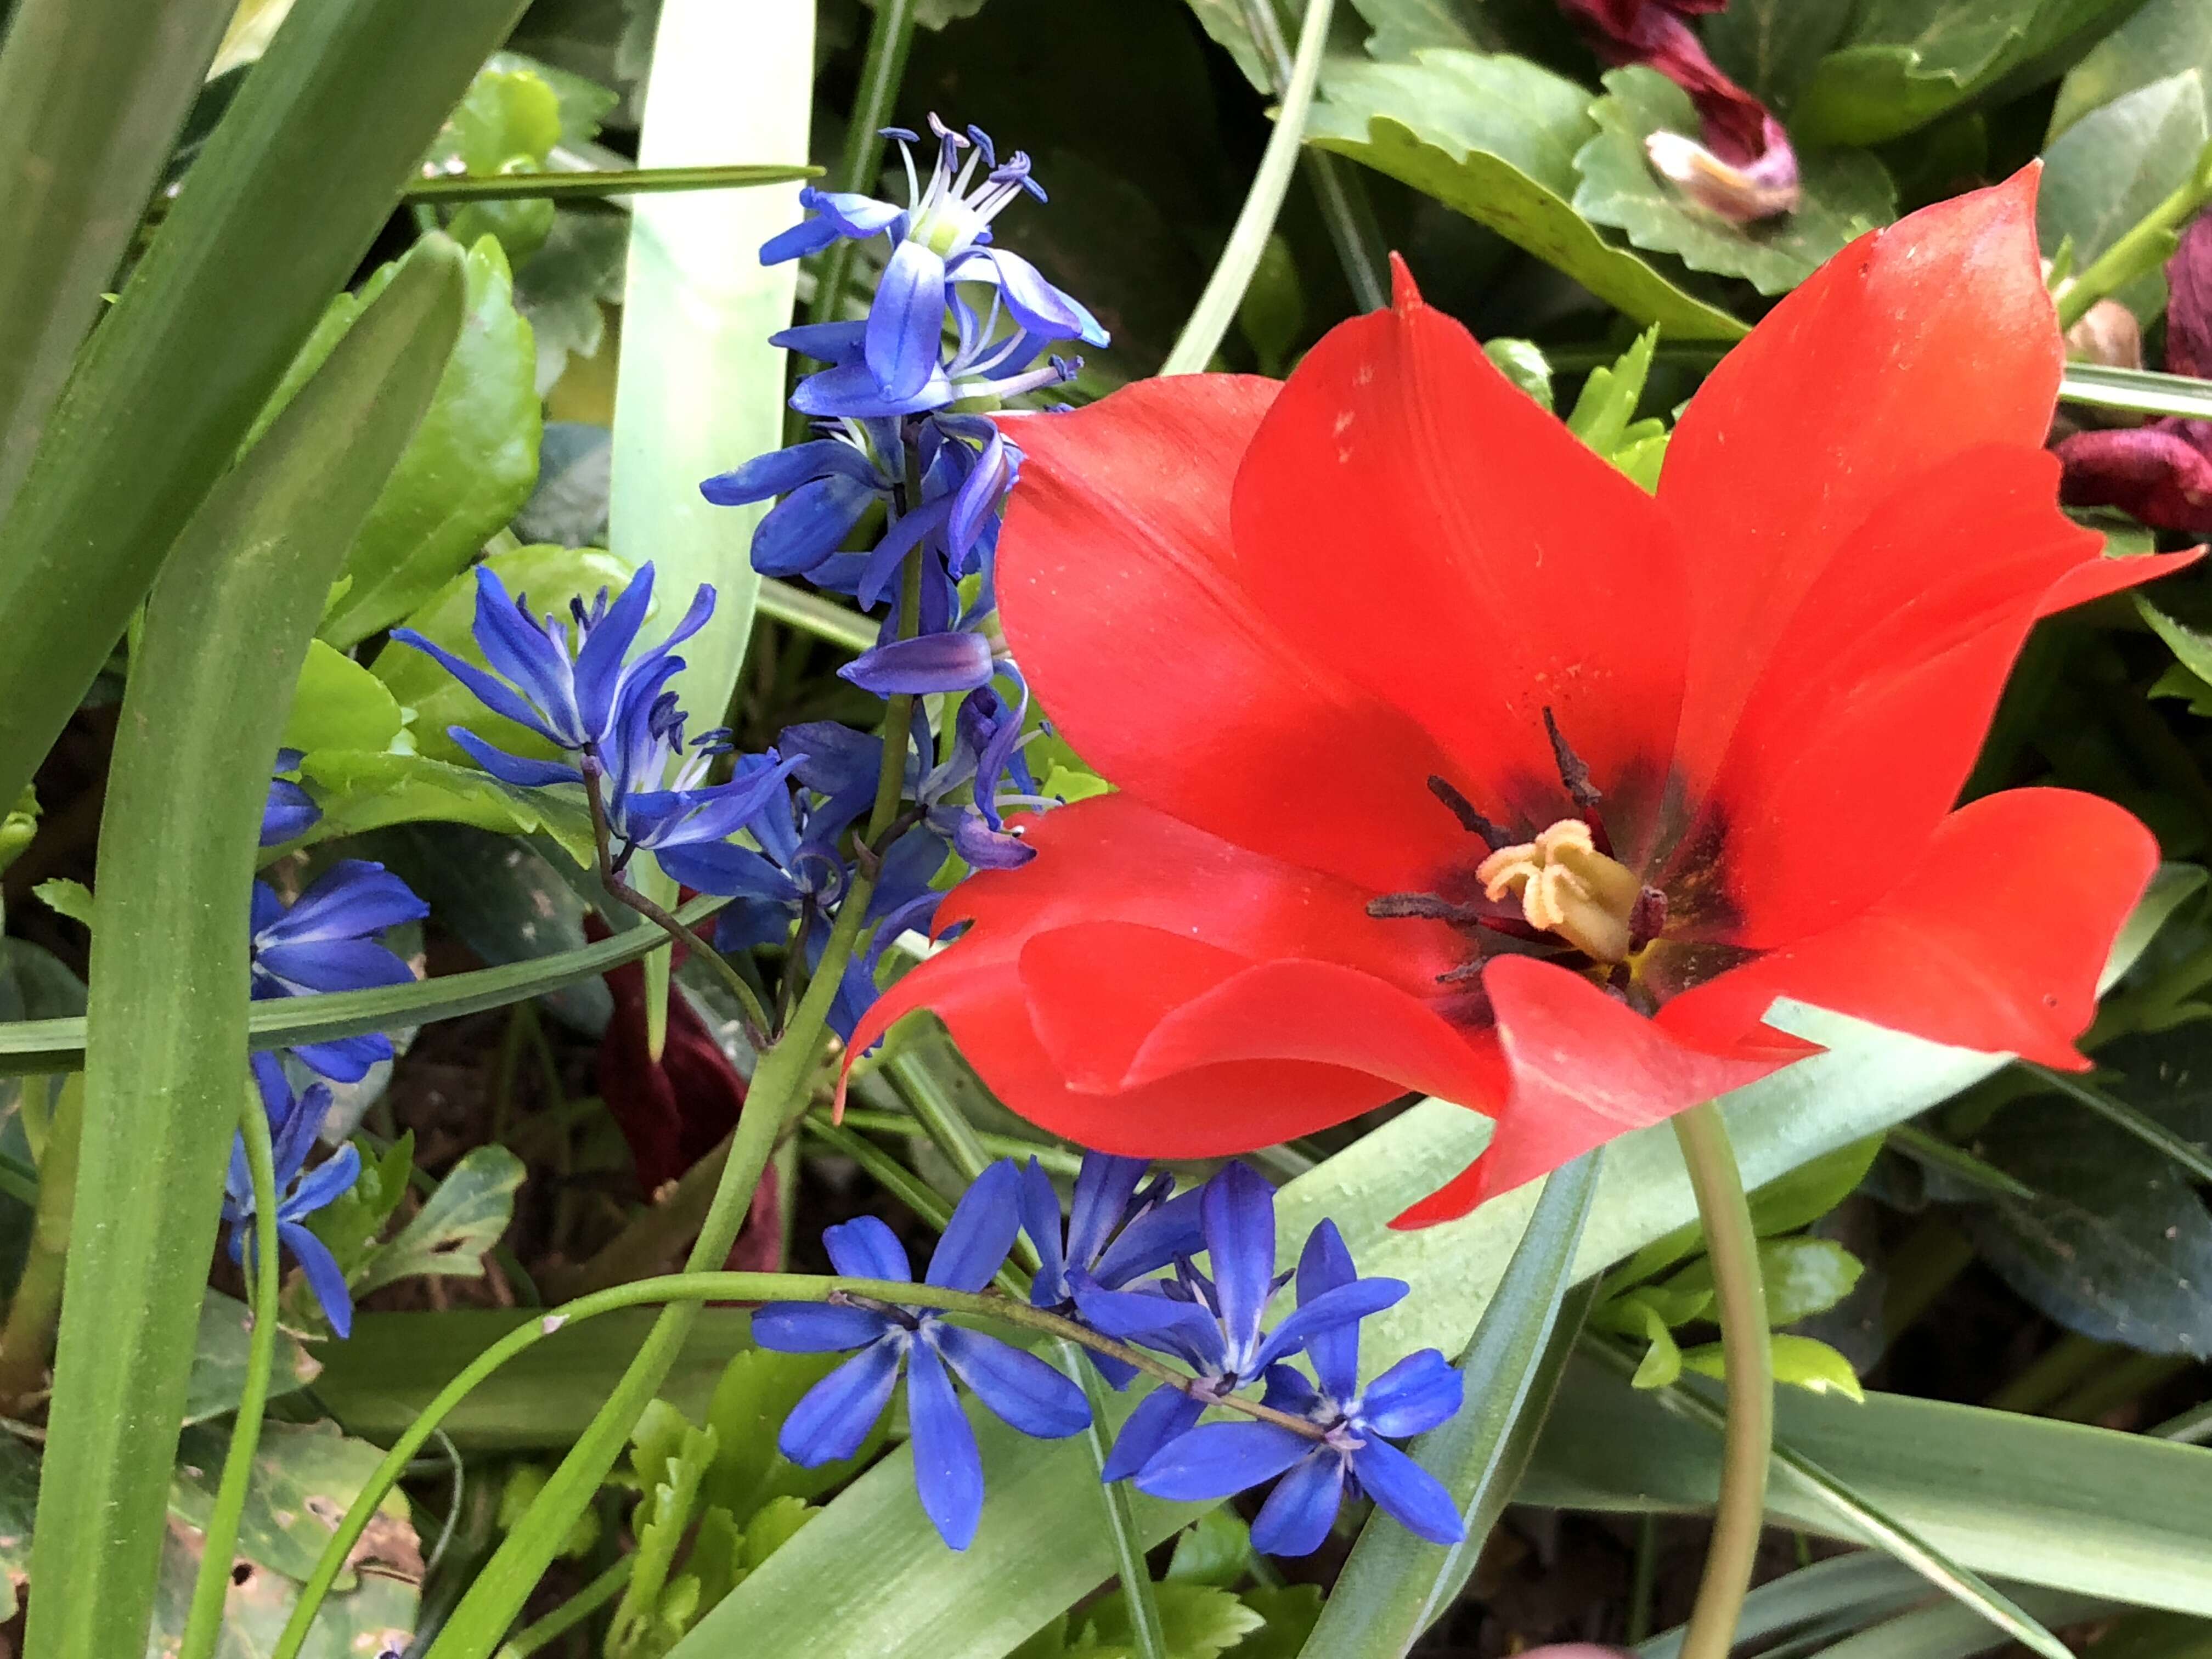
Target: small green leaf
{"points": [[1273, 311], [1640, 1314], [1641, 457], [509, 122], [1495, 138], [1772, 46], [1198, 1621], [1845, 193], [1798, 1360], [549, 577], [583, 103], [1609, 396], [562, 291], [1071, 784], [2116, 164], [1217, 1550], [448, 1236], [65, 898], [358, 792], [773, 1526], [1804, 1277], [640, 1625], [349, 1224], [1812, 1189], [471, 463], [1523, 362], [1291, 1612], [340, 705]]}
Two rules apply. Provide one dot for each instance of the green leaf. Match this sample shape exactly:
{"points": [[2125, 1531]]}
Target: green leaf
{"points": [[226, 628], [219, 1357], [471, 464], [1217, 1550], [1609, 396], [90, 100], [1845, 193], [1772, 46], [2113, 166], [549, 577], [754, 1396], [305, 1477], [1804, 1277], [1495, 138], [1523, 362], [509, 122], [351, 1224], [1903, 62], [662, 1517], [1198, 1621], [1800, 1361], [359, 792], [562, 290], [448, 1236], [19, 1498], [339, 704], [1291, 1612], [376, 1617], [2161, 38], [65, 898], [1810, 1191], [583, 103]]}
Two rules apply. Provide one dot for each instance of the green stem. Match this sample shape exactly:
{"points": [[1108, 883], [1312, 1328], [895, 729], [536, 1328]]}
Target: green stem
{"points": [[2148, 244], [1748, 1446], [203, 1624], [688, 1290], [1643, 1579], [573, 1612], [589, 188], [1053, 1158], [28, 1341]]}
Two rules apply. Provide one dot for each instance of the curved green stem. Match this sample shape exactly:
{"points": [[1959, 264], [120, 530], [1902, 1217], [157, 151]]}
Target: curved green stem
{"points": [[1748, 1445], [26, 1342], [203, 1624], [691, 1289]]}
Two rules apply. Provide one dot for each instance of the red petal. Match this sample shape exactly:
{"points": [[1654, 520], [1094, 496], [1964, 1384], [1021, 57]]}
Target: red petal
{"points": [[1994, 942], [1913, 345], [1585, 1068], [1407, 516], [1121, 602], [1854, 743]]}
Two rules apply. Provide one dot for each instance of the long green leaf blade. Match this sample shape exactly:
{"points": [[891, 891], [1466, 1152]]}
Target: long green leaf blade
{"points": [[1394, 1584], [227, 628], [276, 212], [92, 92]]}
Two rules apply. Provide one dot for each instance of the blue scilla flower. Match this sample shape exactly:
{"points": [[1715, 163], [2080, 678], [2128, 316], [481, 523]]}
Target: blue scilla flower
{"points": [[836, 1415], [941, 238], [325, 941], [680, 818], [963, 798], [565, 684], [828, 484], [1353, 1454], [1119, 1228], [289, 811], [1213, 1324], [294, 1120]]}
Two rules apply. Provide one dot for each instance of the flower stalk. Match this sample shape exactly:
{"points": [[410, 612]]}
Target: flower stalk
{"points": [[26, 1342], [2145, 246], [1749, 1443]]}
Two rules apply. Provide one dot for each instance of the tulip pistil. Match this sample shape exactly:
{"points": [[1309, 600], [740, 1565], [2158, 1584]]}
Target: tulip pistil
{"points": [[1567, 887]]}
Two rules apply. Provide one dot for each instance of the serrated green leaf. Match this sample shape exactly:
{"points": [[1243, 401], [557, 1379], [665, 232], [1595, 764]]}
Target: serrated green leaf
{"points": [[1609, 396], [1198, 1621], [447, 1237], [340, 705], [358, 792], [1641, 457], [640, 1627], [1845, 193], [65, 898], [471, 463], [714, 1563], [1799, 1361], [1495, 138], [549, 577], [2163, 38], [562, 291], [774, 1525], [1641, 1312], [1217, 1550], [2114, 164], [583, 103]]}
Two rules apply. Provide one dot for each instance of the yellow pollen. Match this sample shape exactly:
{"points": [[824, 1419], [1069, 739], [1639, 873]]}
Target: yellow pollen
{"points": [[1567, 887]]}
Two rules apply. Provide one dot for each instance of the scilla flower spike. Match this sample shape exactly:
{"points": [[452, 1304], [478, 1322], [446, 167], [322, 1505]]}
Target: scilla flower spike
{"points": [[1514, 784]]}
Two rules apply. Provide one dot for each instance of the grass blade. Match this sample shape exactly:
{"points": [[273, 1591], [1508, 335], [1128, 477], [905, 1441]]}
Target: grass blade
{"points": [[2144, 390], [583, 188], [2118, 1112], [1394, 1583], [226, 630], [286, 199], [92, 92]]}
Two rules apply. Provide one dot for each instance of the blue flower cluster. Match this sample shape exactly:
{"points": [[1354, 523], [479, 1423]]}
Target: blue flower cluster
{"points": [[1328, 1439], [294, 1122]]}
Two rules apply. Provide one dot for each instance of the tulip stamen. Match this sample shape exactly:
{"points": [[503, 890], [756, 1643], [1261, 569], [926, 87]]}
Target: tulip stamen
{"points": [[1567, 886], [1490, 835]]}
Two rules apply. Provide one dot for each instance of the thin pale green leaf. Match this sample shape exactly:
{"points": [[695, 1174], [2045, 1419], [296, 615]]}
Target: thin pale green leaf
{"points": [[2141, 391]]}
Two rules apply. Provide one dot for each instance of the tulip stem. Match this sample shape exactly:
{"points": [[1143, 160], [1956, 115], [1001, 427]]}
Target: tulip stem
{"points": [[1747, 1445]]}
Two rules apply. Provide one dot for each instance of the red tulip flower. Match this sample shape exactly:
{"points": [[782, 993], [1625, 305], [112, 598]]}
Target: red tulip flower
{"points": [[1451, 760]]}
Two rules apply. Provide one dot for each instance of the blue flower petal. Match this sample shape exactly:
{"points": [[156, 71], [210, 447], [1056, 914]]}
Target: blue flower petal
{"points": [[1025, 1391], [289, 812], [324, 1277], [783, 471], [1415, 1395], [344, 1060], [1406, 1492], [853, 214], [1325, 1264], [1340, 1308], [1160, 1416], [519, 770], [827, 343], [980, 1233], [1181, 1328], [850, 389], [815, 1327], [906, 321], [1297, 1517], [948, 1471], [833, 1418], [341, 965], [1238, 1214], [1217, 1460], [809, 525], [807, 236], [1040, 1212], [1039, 307], [489, 690], [932, 663], [351, 898], [329, 1181], [1152, 1241], [865, 1248], [520, 649], [598, 672]]}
